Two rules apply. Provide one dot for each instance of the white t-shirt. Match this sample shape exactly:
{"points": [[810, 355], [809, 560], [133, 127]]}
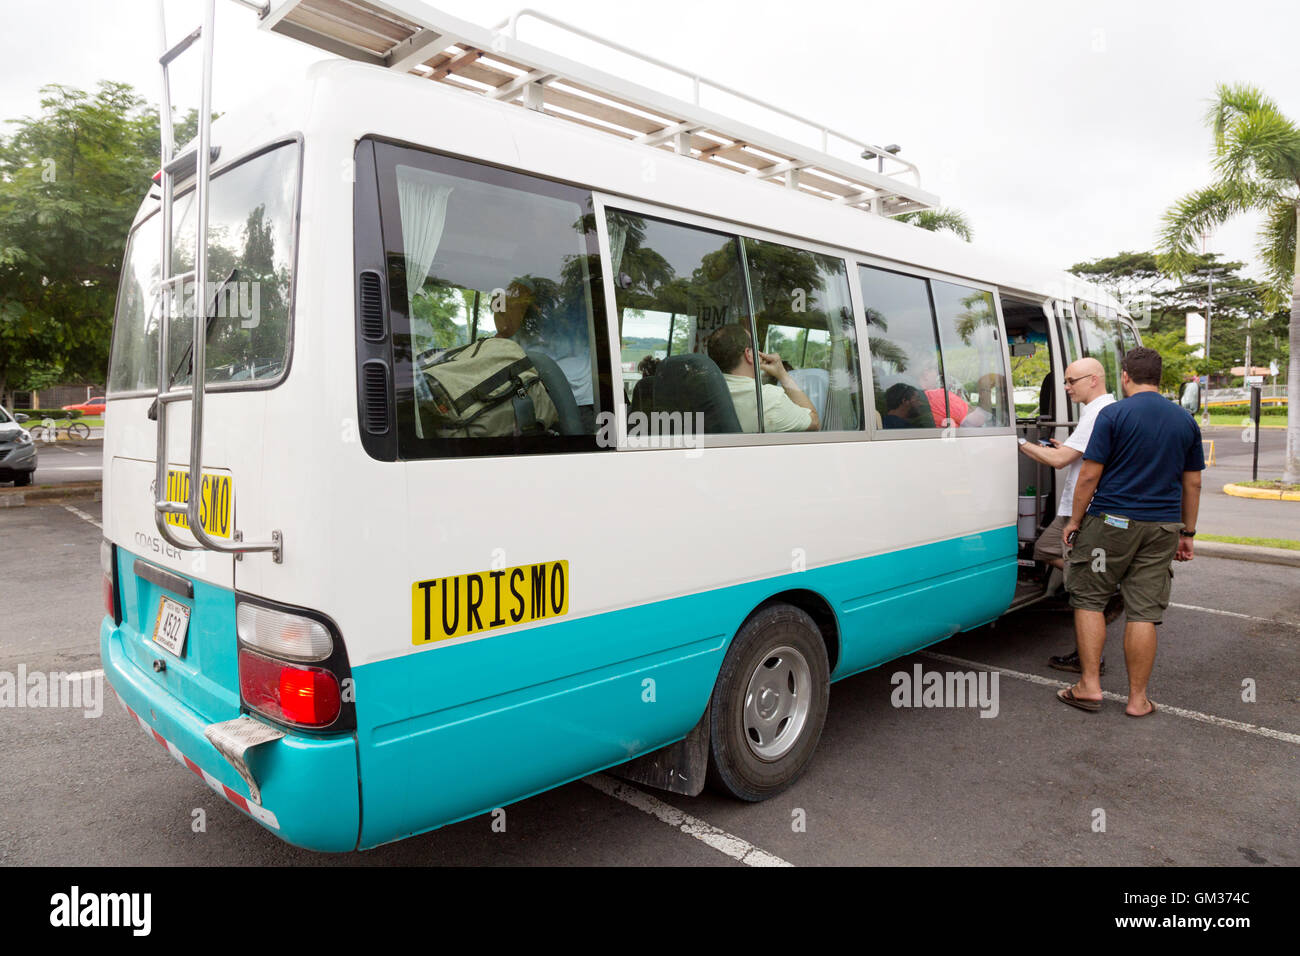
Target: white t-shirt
{"points": [[780, 413], [1078, 440]]}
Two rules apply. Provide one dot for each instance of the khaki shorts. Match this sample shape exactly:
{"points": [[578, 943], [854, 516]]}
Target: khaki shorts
{"points": [[1049, 546], [1138, 560]]}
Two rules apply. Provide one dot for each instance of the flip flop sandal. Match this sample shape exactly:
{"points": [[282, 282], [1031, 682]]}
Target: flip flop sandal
{"points": [[1147, 714], [1066, 696]]}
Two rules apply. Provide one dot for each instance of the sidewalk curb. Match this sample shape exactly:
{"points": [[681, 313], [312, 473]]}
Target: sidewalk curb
{"points": [[76, 490], [1263, 494], [1247, 552]]}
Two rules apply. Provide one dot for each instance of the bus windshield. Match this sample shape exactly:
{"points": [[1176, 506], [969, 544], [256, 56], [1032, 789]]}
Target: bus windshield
{"points": [[251, 219]]}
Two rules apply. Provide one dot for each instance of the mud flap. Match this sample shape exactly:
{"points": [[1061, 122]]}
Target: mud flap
{"points": [[677, 768]]}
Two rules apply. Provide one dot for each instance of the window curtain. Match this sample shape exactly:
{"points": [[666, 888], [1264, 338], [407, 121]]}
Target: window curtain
{"points": [[422, 204], [617, 243]]}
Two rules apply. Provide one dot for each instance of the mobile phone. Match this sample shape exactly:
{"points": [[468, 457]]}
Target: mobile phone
{"points": [[1045, 443]]}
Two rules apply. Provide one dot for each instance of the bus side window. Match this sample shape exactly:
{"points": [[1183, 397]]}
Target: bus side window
{"points": [[675, 286], [1128, 338], [1101, 340], [495, 298], [805, 315], [973, 361], [1070, 344], [904, 352]]}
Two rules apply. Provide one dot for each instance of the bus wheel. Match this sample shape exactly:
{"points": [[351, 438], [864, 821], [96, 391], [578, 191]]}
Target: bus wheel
{"points": [[769, 704]]}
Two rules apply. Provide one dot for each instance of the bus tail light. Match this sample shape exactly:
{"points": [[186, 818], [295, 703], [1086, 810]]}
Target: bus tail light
{"points": [[293, 667], [109, 579], [293, 637], [291, 693]]}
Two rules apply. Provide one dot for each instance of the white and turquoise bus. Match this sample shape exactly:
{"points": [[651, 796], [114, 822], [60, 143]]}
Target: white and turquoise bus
{"points": [[393, 620]]}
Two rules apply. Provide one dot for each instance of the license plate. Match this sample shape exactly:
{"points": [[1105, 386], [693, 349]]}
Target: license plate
{"points": [[216, 501], [172, 625]]}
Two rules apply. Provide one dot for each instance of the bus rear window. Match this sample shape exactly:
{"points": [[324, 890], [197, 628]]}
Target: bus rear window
{"points": [[251, 233]]}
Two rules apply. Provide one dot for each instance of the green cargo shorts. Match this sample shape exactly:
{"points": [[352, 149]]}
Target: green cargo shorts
{"points": [[1137, 559]]}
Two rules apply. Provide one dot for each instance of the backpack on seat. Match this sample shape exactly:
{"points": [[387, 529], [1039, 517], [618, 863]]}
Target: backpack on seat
{"points": [[486, 389]]}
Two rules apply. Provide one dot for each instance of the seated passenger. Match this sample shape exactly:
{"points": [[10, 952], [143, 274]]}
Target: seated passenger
{"points": [[519, 305], [785, 407], [486, 389], [551, 334], [905, 407], [957, 406]]}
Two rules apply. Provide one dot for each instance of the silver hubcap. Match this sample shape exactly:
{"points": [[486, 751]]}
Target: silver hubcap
{"points": [[776, 703]]}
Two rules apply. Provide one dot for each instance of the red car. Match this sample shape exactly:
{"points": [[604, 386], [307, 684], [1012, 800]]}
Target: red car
{"points": [[91, 406]]}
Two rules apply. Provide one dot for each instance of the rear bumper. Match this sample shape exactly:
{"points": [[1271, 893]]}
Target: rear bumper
{"points": [[310, 794]]}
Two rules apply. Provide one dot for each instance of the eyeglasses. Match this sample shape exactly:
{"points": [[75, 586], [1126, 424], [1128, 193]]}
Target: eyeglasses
{"points": [[1071, 381]]}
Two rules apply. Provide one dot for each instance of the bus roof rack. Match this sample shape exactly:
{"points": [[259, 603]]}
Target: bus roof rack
{"points": [[408, 36]]}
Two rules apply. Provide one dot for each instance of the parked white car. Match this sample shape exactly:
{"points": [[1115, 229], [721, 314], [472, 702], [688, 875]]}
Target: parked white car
{"points": [[17, 450]]}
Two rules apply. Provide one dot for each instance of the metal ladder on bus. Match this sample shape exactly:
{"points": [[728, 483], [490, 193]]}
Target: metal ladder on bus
{"points": [[171, 287]]}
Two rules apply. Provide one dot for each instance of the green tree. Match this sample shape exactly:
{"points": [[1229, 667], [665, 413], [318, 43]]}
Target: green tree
{"points": [[938, 220], [1257, 165], [1177, 361], [1162, 302], [444, 308], [71, 180]]}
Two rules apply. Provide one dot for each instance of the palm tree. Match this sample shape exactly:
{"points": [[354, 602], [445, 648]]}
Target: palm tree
{"points": [[935, 220], [1257, 161]]}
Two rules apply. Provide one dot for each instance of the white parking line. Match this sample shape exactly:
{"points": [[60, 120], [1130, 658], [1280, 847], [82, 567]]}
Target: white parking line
{"points": [[85, 675], [83, 516], [1244, 617], [1164, 708], [722, 841]]}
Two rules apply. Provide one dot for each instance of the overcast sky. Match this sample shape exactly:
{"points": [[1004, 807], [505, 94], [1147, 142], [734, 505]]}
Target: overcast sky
{"points": [[1061, 129]]}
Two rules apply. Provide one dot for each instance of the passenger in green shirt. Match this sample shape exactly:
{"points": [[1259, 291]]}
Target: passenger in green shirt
{"points": [[785, 407]]}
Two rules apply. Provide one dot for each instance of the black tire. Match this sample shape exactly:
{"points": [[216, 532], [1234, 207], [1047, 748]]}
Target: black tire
{"points": [[23, 478], [786, 644], [79, 430]]}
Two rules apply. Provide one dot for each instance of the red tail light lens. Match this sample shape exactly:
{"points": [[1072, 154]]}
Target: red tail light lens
{"points": [[109, 587], [305, 696]]}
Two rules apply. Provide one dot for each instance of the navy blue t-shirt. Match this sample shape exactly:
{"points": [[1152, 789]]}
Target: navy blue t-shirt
{"points": [[1145, 442]]}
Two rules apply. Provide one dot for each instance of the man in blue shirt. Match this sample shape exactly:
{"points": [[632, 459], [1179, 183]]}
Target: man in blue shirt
{"points": [[1134, 513]]}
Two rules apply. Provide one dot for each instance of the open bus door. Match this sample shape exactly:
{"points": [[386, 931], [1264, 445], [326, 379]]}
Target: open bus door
{"points": [[1043, 340]]}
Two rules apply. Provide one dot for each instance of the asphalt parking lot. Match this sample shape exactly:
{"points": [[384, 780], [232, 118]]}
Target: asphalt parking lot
{"points": [[1212, 779]]}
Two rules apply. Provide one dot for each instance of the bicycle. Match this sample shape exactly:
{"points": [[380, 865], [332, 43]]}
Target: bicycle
{"points": [[78, 430]]}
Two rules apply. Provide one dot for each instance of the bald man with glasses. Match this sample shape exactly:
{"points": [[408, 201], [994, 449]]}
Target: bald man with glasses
{"points": [[1085, 383]]}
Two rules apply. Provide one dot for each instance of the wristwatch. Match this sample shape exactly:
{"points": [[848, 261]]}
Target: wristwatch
{"points": [[1187, 534]]}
